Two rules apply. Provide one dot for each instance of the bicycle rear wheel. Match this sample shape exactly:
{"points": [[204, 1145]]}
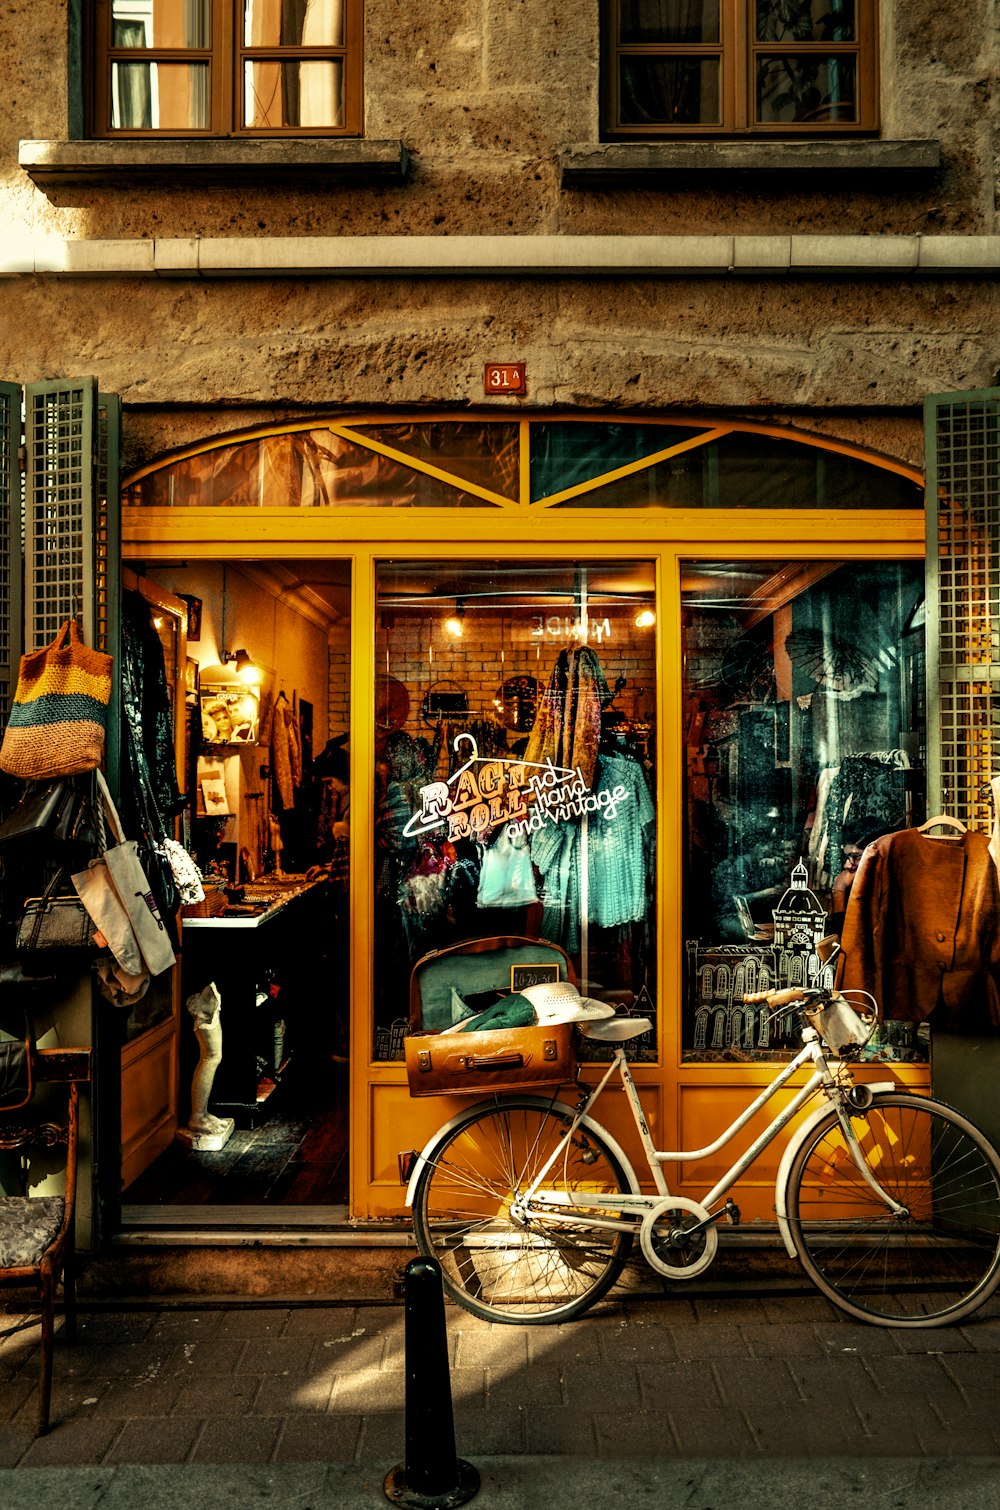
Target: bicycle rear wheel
{"points": [[495, 1262], [935, 1263]]}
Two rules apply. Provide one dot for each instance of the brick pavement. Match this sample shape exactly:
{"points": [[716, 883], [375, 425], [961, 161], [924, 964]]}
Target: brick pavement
{"points": [[664, 1379]]}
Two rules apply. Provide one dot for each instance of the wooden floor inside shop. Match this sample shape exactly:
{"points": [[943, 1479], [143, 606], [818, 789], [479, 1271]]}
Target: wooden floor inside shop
{"points": [[297, 1157]]}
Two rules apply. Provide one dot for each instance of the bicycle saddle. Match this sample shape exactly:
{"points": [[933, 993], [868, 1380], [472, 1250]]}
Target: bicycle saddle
{"points": [[616, 1029]]}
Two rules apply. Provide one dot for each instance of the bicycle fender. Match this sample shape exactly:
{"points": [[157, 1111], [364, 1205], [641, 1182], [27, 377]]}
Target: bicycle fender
{"points": [[437, 1138], [788, 1157]]}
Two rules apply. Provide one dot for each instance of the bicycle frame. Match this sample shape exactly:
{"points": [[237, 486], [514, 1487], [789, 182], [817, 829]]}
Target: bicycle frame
{"points": [[631, 1206]]}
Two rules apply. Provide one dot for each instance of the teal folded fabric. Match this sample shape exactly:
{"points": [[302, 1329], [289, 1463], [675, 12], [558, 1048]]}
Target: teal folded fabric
{"points": [[512, 1012]]}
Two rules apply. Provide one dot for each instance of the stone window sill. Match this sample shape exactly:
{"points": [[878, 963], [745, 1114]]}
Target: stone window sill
{"points": [[318, 161], [641, 164]]}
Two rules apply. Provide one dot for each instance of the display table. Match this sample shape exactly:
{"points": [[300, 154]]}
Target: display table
{"points": [[251, 949]]}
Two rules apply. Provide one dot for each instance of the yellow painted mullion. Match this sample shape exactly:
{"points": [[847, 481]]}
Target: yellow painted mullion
{"points": [[630, 468], [261, 534], [451, 478], [669, 849], [524, 462], [361, 869]]}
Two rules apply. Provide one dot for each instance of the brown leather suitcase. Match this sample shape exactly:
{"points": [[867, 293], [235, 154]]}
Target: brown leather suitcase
{"points": [[441, 1063]]}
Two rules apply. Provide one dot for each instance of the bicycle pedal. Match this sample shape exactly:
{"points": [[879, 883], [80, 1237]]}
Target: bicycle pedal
{"points": [[732, 1211]]}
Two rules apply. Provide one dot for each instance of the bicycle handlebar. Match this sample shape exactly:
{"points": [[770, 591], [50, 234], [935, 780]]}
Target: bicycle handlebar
{"points": [[787, 996]]}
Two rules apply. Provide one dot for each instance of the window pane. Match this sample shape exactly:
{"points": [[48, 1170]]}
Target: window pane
{"points": [[808, 89], [567, 453], [293, 94], [161, 23], [485, 454], [676, 21], [668, 91], [293, 23], [515, 771], [745, 470], [804, 740], [805, 21], [160, 96], [308, 469]]}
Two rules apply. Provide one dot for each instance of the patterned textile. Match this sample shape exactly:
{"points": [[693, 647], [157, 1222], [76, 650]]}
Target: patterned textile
{"points": [[567, 727], [28, 1225], [863, 797], [619, 859]]}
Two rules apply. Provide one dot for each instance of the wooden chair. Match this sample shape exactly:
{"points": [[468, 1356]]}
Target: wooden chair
{"points": [[37, 1232]]}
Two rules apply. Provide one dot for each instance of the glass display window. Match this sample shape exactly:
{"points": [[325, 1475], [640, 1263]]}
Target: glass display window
{"points": [[804, 724], [515, 758]]}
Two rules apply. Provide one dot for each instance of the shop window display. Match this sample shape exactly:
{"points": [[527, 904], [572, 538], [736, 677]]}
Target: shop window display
{"points": [[515, 757], [805, 742]]}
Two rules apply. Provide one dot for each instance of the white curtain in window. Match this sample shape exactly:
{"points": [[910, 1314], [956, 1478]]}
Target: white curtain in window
{"points": [[321, 93]]}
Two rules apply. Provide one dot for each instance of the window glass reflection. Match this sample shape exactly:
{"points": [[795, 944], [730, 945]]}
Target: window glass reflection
{"points": [[515, 772], [806, 88], [161, 23], [293, 23], [165, 96], [805, 740], [304, 93], [674, 21]]}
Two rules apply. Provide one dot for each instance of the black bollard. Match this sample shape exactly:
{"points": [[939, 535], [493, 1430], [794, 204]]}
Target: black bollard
{"points": [[432, 1475]]}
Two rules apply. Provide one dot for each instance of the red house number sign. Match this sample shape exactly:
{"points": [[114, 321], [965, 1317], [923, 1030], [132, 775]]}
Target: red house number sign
{"points": [[504, 377]]}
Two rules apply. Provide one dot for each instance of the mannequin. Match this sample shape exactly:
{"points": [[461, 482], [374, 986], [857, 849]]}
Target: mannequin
{"points": [[204, 1131]]}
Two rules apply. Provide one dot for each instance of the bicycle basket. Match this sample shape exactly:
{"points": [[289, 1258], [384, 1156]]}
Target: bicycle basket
{"points": [[842, 1027]]}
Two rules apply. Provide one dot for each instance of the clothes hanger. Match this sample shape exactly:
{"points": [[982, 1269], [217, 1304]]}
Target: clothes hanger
{"points": [[943, 820]]}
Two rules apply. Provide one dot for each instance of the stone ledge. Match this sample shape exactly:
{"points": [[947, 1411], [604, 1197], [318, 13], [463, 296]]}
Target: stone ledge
{"points": [[877, 256], [596, 165], [321, 161]]}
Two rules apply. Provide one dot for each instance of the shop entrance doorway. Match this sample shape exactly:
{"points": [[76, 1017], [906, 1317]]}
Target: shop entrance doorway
{"points": [[261, 1037]]}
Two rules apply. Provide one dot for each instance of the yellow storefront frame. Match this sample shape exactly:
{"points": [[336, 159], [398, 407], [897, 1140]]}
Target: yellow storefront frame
{"points": [[683, 1101]]}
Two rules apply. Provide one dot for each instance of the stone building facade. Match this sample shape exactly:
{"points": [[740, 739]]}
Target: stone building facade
{"points": [[807, 285]]}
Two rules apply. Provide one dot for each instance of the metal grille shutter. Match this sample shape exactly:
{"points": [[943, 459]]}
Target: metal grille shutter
{"points": [[10, 544], [962, 433], [59, 523]]}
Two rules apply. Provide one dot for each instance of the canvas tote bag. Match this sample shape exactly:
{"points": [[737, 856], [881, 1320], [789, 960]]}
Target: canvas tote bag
{"points": [[116, 892]]}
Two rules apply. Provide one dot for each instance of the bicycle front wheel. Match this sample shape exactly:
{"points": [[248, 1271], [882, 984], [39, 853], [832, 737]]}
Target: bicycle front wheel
{"points": [[935, 1261], [497, 1261]]}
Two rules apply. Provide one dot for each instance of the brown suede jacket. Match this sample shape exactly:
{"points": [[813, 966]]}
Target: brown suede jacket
{"points": [[922, 930]]}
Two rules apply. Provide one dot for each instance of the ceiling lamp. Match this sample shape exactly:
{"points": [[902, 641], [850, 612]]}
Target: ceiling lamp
{"points": [[455, 625], [645, 618]]}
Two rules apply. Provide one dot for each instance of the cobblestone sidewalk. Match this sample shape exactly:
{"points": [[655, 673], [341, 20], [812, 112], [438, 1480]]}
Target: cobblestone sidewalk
{"points": [[666, 1379]]}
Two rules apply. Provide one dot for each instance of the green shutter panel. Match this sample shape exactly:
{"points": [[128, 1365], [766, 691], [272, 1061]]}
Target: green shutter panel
{"points": [[11, 599], [60, 525], [107, 580], [962, 434]]}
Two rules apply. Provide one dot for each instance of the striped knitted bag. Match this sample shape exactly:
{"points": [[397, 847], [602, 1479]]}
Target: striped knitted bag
{"points": [[59, 715]]}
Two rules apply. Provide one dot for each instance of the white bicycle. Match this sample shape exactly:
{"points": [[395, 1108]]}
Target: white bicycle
{"points": [[890, 1200]]}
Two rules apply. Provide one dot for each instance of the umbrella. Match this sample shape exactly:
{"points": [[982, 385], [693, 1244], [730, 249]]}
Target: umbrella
{"points": [[835, 665]]}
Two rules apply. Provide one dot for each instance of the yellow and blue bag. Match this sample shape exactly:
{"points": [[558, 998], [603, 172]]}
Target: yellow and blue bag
{"points": [[58, 719]]}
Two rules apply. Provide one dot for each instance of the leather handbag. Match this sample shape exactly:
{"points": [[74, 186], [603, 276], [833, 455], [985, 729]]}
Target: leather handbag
{"points": [[16, 1076], [499, 1059], [54, 930], [36, 814]]}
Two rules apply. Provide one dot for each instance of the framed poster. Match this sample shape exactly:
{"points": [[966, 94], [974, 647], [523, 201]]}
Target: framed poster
{"points": [[230, 715], [532, 975]]}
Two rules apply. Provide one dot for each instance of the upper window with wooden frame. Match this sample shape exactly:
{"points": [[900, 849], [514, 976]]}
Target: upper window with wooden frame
{"points": [[740, 67], [227, 68]]}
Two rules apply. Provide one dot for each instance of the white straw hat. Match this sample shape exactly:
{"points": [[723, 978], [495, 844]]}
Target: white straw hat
{"points": [[559, 1001]]}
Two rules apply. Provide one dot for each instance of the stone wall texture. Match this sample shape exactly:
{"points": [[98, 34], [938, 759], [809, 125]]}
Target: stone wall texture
{"points": [[485, 95]]}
